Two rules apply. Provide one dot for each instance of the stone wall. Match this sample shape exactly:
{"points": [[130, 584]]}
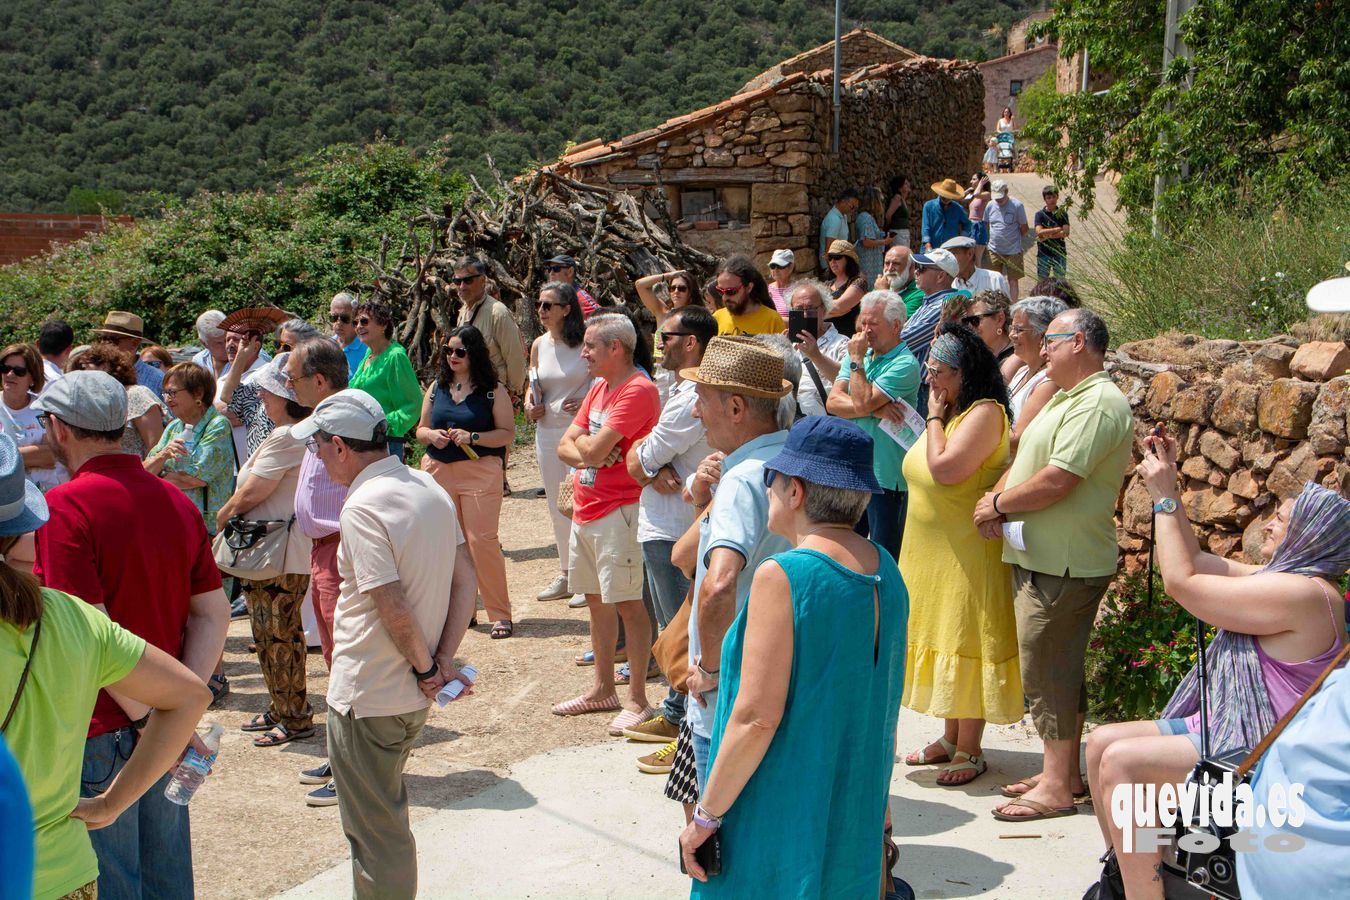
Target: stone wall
{"points": [[31, 234], [998, 75], [1017, 33], [1253, 421]]}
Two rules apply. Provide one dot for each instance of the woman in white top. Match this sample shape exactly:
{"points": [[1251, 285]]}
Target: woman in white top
{"points": [[558, 383], [266, 492], [22, 378], [1005, 121], [1030, 389]]}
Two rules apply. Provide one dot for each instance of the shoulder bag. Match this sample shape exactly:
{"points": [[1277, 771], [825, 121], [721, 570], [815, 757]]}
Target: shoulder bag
{"points": [[23, 679], [254, 550]]}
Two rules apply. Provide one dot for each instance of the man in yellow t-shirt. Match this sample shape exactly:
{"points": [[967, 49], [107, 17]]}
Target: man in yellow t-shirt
{"points": [[747, 308]]}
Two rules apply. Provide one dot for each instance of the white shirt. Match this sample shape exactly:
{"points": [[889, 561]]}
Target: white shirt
{"points": [[835, 346], [397, 525], [240, 432], [51, 370], [982, 280], [678, 440]]}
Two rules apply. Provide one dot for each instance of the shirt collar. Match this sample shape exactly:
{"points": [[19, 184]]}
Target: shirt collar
{"points": [[829, 335], [772, 439], [871, 355], [1094, 378], [109, 462], [374, 470]]}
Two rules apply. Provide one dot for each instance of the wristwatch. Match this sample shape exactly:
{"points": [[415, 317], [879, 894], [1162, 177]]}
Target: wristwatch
{"points": [[473, 437], [705, 819], [704, 673], [1165, 505]]}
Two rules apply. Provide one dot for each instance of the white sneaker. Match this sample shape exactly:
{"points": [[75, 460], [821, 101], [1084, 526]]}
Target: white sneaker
{"points": [[578, 601], [556, 590]]}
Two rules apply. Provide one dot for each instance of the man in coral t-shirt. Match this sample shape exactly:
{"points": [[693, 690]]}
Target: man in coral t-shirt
{"points": [[605, 557]]}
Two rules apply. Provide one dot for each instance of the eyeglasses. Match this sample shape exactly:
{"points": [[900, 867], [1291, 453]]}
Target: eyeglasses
{"points": [[457, 352], [287, 377], [464, 279], [170, 393], [44, 421], [661, 336], [1017, 331], [974, 321], [153, 363], [1057, 336], [340, 317], [284, 347], [312, 445], [682, 288], [364, 320], [809, 310], [21, 371], [730, 292]]}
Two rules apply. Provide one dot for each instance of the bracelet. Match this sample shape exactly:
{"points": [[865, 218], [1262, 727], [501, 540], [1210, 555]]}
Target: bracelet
{"points": [[429, 673], [932, 419], [996, 509], [704, 819]]}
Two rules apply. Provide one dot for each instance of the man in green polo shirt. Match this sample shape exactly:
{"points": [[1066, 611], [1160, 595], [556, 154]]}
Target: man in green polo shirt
{"points": [[879, 370], [1062, 489]]}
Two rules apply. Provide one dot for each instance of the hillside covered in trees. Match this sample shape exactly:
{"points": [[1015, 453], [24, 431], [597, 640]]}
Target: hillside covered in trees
{"points": [[108, 99]]}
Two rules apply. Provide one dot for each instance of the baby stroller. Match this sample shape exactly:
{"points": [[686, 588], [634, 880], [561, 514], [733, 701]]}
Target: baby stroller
{"points": [[1007, 151]]}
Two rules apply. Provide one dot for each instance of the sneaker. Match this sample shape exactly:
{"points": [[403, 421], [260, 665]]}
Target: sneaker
{"points": [[658, 763], [322, 775], [324, 796], [239, 609], [556, 590], [578, 601], [656, 730]]}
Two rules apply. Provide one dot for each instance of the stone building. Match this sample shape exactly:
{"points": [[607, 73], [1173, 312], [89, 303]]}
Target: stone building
{"points": [[756, 172], [1006, 77]]}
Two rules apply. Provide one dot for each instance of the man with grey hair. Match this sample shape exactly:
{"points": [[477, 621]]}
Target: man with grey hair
{"points": [[342, 321], [604, 556], [212, 357], [970, 277], [821, 350], [1062, 488], [880, 370], [491, 317], [897, 274]]}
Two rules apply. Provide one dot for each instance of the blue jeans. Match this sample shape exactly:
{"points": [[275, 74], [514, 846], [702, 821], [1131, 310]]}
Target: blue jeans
{"points": [[1048, 264], [886, 520], [147, 852], [668, 588], [702, 749]]}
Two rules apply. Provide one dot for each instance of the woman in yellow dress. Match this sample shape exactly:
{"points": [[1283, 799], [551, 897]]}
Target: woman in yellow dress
{"points": [[961, 663]]}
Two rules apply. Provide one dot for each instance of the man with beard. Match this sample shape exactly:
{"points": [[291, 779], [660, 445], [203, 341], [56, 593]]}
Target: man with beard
{"points": [[897, 274], [969, 277], [747, 307], [136, 547]]}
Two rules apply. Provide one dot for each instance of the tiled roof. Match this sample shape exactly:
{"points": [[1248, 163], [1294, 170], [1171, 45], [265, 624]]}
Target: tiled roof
{"points": [[1027, 52]]}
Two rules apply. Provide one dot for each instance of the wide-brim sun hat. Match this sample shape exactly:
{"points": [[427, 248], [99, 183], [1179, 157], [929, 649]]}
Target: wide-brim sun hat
{"points": [[272, 377], [949, 188], [23, 509], [741, 365], [262, 319], [843, 248], [121, 324], [828, 451]]}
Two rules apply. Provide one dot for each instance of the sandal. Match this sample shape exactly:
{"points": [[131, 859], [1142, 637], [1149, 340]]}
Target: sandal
{"points": [[1042, 811], [579, 706], [260, 722], [920, 757], [963, 762], [1078, 798], [219, 685], [502, 629], [282, 735]]}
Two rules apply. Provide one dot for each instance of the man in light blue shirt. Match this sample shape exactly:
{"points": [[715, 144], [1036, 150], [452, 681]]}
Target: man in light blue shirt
{"points": [[213, 356], [834, 227], [944, 217], [342, 318], [741, 393], [1007, 220]]}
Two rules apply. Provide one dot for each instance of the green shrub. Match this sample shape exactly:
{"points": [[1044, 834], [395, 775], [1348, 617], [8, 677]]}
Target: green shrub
{"points": [[1139, 652]]}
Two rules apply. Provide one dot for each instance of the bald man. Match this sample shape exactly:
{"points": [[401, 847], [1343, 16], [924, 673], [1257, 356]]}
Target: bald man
{"points": [[897, 274]]}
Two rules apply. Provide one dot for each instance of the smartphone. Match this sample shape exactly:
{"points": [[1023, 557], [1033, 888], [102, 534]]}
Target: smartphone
{"points": [[799, 321], [708, 855]]}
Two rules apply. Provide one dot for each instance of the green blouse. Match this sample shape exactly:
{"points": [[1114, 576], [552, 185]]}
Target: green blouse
{"points": [[211, 460], [390, 379]]}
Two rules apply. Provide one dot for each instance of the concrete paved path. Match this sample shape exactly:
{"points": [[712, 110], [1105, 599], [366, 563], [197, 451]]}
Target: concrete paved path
{"points": [[583, 822]]}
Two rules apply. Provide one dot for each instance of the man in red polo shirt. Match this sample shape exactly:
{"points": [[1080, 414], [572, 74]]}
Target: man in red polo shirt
{"points": [[136, 547]]}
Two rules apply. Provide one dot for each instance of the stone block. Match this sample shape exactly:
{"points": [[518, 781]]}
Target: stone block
{"points": [[791, 159], [1285, 408], [1196, 467], [1272, 360], [1220, 452], [756, 124], [749, 161], [714, 140], [1136, 507], [1161, 390], [744, 140], [1210, 506], [1235, 409], [1261, 454], [1289, 475], [1218, 479], [1190, 444], [719, 157], [803, 146], [1327, 430], [790, 103], [800, 224], [1225, 543], [801, 175], [1193, 404], [769, 199], [805, 117], [1320, 360], [681, 150], [797, 133], [1243, 483]]}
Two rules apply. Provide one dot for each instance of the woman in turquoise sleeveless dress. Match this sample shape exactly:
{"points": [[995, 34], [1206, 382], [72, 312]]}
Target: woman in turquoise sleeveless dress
{"points": [[812, 670]]}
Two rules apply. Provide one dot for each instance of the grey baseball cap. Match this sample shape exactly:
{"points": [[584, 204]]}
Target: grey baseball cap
{"points": [[92, 400], [350, 414]]}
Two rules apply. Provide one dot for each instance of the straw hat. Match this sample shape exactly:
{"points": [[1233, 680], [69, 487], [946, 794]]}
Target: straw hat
{"points": [[740, 365], [948, 188], [843, 248], [262, 319], [121, 324]]}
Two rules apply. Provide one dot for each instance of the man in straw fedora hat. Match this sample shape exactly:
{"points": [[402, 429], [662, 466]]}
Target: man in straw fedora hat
{"points": [[746, 405], [126, 332], [944, 217]]}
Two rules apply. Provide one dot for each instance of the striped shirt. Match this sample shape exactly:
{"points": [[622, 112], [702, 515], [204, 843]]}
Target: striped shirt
{"points": [[318, 499], [919, 333]]}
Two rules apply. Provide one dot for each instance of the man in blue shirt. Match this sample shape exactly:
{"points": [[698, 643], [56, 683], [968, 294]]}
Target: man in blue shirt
{"points": [[342, 318], [1007, 219], [944, 217], [213, 356], [834, 227], [740, 389], [127, 332], [934, 271]]}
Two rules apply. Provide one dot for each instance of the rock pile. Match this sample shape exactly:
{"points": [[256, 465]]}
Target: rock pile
{"points": [[1253, 421]]}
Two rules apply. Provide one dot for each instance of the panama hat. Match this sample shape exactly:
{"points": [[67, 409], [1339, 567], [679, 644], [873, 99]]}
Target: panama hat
{"points": [[843, 248], [948, 188], [262, 319], [122, 325], [22, 506], [740, 365]]}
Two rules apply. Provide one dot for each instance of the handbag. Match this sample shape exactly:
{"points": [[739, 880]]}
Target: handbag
{"points": [[671, 648], [253, 549], [565, 495]]}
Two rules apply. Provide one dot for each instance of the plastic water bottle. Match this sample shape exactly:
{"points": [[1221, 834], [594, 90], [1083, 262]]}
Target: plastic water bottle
{"points": [[192, 771], [189, 439], [452, 690]]}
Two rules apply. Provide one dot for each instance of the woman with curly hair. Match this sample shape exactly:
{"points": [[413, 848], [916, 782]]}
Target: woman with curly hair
{"points": [[467, 423], [145, 412], [961, 661], [386, 373]]}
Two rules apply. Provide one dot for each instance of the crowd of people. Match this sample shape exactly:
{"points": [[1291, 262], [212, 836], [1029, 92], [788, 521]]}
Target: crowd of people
{"points": [[811, 500]]}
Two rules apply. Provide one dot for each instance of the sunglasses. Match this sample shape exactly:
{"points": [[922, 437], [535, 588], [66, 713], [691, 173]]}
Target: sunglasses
{"points": [[780, 266], [661, 336], [553, 269], [834, 256], [364, 320], [20, 371], [284, 347], [545, 305], [153, 363], [457, 352], [682, 288], [730, 292], [341, 317], [974, 321], [465, 279]]}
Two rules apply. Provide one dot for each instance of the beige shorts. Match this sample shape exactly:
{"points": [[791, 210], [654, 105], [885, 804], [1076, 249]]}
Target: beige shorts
{"points": [[1011, 266], [604, 557]]}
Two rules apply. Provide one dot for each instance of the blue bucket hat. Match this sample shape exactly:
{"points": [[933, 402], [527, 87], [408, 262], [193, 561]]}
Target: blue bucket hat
{"points": [[22, 506], [828, 451]]}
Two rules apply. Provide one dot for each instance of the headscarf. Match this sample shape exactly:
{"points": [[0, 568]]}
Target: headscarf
{"points": [[1317, 544]]}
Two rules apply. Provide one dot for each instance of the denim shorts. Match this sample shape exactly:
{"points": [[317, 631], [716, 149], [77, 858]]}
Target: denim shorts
{"points": [[1171, 727]]}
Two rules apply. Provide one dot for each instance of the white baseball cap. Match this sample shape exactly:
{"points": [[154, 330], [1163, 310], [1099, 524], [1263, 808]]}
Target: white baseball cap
{"points": [[782, 258], [351, 413], [999, 188], [939, 259]]}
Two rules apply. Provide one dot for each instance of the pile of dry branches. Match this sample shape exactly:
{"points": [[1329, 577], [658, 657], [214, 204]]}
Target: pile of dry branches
{"points": [[514, 230]]}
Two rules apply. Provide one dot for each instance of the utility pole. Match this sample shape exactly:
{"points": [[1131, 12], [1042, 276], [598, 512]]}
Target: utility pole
{"points": [[838, 13], [1173, 47]]}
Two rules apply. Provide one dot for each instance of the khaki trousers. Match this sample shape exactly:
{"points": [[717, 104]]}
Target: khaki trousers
{"points": [[475, 485]]}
